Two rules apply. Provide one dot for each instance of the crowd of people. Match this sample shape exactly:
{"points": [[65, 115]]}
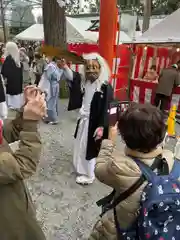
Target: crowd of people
{"points": [[22, 62], [145, 201]]}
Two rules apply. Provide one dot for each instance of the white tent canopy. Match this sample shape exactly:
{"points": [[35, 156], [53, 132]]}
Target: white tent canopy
{"points": [[36, 33], [33, 33], [76, 32], [166, 31]]}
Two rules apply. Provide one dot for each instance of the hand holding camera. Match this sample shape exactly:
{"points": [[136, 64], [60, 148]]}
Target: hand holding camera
{"points": [[35, 105], [113, 132]]}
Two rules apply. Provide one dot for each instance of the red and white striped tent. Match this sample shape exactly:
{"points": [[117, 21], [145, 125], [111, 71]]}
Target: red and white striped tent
{"points": [[160, 46]]}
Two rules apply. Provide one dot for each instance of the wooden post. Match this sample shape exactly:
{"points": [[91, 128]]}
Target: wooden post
{"points": [[108, 29]]}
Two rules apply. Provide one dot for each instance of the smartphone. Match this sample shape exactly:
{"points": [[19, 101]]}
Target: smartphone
{"points": [[114, 112], [116, 109]]}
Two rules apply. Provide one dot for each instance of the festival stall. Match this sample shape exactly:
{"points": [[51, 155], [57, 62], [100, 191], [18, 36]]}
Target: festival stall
{"points": [[159, 46]]}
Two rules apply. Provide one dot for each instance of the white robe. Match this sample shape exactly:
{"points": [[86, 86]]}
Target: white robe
{"points": [[83, 166], [15, 101], [3, 110]]}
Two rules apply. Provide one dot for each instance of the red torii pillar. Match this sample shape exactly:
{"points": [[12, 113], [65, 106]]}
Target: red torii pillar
{"points": [[108, 29]]}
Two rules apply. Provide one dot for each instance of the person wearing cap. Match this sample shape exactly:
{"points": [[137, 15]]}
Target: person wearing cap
{"points": [[168, 80]]}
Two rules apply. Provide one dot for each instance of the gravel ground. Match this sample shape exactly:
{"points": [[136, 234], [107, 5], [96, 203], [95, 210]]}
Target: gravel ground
{"points": [[66, 210]]}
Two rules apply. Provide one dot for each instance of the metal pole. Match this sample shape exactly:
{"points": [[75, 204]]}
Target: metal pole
{"points": [[3, 20]]}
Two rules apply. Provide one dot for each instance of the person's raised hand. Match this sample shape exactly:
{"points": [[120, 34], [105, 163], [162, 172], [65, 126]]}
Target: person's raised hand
{"points": [[35, 108], [113, 132], [62, 63], [30, 92], [98, 134]]}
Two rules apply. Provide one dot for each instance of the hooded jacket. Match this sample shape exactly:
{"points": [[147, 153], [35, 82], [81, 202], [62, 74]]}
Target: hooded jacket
{"points": [[117, 170], [17, 218]]}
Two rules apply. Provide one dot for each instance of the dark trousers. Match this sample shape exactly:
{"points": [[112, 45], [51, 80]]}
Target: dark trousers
{"points": [[162, 100], [38, 78]]}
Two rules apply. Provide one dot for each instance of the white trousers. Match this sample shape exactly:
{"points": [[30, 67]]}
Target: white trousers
{"points": [[15, 101], [81, 165]]}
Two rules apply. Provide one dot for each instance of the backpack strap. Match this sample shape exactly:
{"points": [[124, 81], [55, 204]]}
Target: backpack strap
{"points": [[159, 164], [146, 170], [109, 202], [176, 169], [163, 168]]}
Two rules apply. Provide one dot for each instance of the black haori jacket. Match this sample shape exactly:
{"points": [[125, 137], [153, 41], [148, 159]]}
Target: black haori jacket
{"points": [[98, 112], [14, 76]]}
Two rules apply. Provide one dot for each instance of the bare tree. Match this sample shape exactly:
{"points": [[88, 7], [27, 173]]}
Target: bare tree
{"points": [[8, 5], [147, 14], [54, 23]]}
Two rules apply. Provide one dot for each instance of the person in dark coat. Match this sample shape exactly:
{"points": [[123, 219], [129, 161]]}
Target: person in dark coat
{"points": [[92, 94], [12, 72], [168, 80]]}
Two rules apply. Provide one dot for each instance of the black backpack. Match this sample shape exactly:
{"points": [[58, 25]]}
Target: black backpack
{"points": [[110, 202]]}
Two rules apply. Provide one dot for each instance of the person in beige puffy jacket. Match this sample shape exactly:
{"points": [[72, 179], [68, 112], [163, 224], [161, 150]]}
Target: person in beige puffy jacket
{"points": [[142, 127]]}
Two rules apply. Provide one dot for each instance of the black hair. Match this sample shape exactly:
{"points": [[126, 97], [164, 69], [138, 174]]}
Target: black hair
{"points": [[37, 55], [142, 127], [153, 67]]}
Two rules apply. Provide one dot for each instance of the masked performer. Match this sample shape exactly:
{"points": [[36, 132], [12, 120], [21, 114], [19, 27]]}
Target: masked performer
{"points": [[12, 72], [92, 94]]}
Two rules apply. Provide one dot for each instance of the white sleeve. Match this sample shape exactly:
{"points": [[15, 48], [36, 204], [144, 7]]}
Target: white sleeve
{"points": [[3, 110], [68, 73]]}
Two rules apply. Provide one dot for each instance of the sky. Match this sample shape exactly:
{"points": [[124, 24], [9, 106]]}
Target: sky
{"points": [[38, 11]]}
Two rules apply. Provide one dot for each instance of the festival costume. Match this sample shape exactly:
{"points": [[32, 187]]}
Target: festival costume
{"points": [[13, 76], [93, 99]]}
